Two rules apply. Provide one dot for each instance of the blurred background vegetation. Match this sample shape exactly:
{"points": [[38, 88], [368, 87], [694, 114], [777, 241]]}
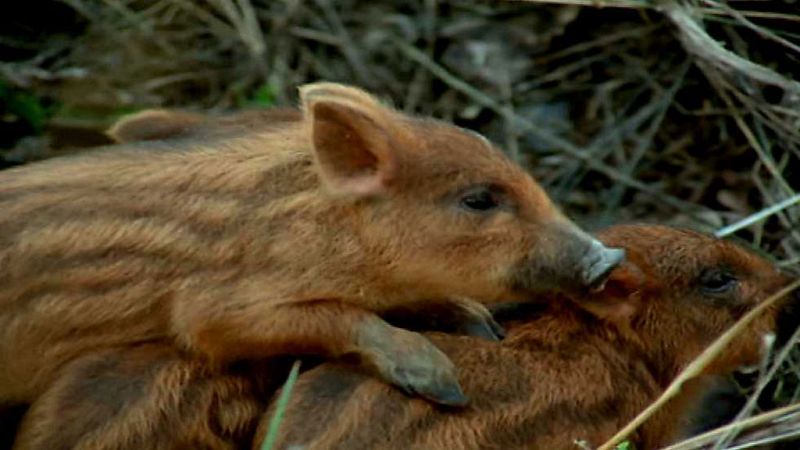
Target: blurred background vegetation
{"points": [[685, 112]]}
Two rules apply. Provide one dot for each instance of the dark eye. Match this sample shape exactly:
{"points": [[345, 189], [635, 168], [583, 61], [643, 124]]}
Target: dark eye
{"points": [[717, 281], [480, 200]]}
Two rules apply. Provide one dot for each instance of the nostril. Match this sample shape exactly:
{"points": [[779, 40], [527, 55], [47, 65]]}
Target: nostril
{"points": [[614, 256], [600, 261]]}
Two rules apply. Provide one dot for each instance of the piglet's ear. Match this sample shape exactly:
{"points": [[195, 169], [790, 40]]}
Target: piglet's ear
{"points": [[619, 299], [352, 137], [340, 91], [152, 124]]}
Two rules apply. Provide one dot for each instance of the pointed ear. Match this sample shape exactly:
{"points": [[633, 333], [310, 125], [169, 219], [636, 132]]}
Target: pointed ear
{"points": [[340, 91], [619, 299], [353, 139], [152, 124]]}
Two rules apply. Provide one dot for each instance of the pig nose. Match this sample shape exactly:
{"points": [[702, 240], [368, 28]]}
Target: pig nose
{"points": [[598, 263]]}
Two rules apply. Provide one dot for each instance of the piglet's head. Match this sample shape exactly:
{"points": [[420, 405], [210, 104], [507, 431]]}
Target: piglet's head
{"points": [[439, 208], [679, 290]]}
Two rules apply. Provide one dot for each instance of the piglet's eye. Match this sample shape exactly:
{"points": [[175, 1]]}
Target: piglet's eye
{"points": [[717, 281], [480, 200]]}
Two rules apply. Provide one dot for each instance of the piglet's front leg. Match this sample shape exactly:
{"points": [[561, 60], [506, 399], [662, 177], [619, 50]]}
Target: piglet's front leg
{"points": [[410, 361], [474, 319], [331, 329], [453, 315]]}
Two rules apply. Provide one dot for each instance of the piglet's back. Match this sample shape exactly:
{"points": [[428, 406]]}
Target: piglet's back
{"points": [[93, 243]]}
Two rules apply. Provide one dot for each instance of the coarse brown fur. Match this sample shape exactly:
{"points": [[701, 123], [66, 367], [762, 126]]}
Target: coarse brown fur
{"points": [[576, 368], [574, 371], [270, 234], [149, 397]]}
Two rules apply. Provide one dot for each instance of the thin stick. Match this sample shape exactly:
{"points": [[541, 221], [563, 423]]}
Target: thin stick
{"points": [[699, 43], [759, 216], [741, 18], [768, 162], [696, 367], [597, 3], [545, 135], [765, 440], [710, 436], [764, 379]]}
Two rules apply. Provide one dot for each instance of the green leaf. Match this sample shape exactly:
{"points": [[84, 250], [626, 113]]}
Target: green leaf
{"points": [[25, 106], [264, 96], [624, 445], [280, 408]]}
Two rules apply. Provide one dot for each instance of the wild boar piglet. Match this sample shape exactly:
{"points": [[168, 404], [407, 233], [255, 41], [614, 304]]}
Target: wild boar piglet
{"points": [[275, 233]]}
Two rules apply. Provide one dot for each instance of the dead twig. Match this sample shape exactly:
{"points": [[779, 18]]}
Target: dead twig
{"points": [[541, 133], [707, 438]]}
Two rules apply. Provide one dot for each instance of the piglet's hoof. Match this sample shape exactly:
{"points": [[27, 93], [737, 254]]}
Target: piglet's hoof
{"points": [[476, 320], [439, 388], [411, 362]]}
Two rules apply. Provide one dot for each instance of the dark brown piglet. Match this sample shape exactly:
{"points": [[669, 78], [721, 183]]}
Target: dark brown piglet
{"points": [[573, 369]]}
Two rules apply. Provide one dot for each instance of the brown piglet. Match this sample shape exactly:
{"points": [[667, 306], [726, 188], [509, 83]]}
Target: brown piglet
{"points": [[272, 234], [568, 371]]}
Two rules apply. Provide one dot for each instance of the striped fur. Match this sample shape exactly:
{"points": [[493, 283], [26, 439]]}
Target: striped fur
{"points": [[264, 234], [576, 368]]}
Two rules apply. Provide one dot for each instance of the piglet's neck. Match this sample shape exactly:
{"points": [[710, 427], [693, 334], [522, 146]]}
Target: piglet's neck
{"points": [[645, 370], [677, 418]]}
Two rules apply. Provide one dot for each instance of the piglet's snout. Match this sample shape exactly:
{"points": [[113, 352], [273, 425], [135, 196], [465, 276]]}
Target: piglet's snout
{"points": [[598, 262]]}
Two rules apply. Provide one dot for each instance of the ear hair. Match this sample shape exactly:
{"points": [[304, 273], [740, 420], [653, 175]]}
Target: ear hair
{"points": [[353, 137], [152, 124], [322, 90]]}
